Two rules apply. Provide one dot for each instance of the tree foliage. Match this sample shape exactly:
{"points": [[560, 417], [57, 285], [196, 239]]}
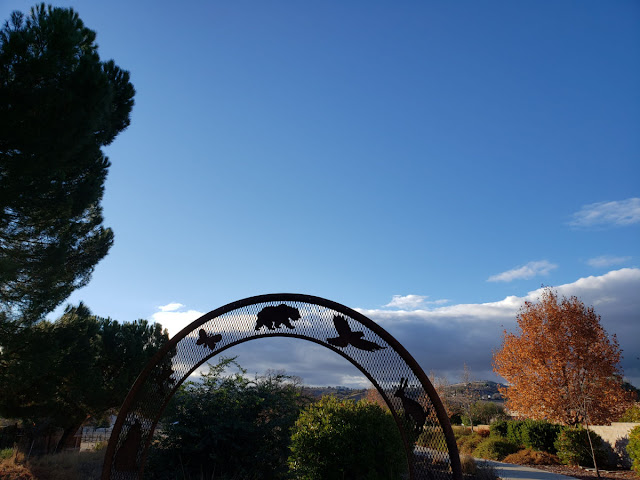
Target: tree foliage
{"points": [[77, 367], [562, 366], [336, 439], [483, 413], [228, 426], [59, 105]]}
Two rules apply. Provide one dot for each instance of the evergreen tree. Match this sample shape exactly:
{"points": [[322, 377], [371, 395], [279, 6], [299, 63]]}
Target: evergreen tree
{"points": [[61, 373], [59, 105]]}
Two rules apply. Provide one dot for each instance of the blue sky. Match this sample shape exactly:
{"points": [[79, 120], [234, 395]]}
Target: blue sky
{"points": [[415, 160]]}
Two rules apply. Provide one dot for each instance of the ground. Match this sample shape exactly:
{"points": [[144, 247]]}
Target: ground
{"points": [[585, 474]]}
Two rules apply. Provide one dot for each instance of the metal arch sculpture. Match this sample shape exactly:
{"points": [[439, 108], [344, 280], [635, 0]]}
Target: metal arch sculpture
{"points": [[381, 358]]}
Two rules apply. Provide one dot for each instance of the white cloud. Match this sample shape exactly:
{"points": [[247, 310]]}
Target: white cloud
{"points": [[412, 302], [171, 307], [618, 213], [530, 270], [173, 320], [407, 302], [605, 261]]}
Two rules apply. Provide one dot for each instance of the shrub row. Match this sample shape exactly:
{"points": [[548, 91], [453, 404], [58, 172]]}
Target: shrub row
{"points": [[534, 434], [542, 441]]}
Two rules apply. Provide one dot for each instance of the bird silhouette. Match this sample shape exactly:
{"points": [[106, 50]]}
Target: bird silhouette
{"points": [[346, 336], [208, 341]]}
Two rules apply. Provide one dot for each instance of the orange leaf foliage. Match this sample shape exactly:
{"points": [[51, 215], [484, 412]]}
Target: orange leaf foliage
{"points": [[562, 366]]}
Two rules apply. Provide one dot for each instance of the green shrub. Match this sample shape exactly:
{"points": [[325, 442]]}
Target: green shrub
{"points": [[499, 428], [6, 453], [336, 439], [495, 448], [540, 435], [468, 443], [573, 447], [514, 432], [632, 414], [535, 434], [227, 426], [633, 448]]}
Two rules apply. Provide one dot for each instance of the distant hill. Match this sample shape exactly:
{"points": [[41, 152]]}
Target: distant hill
{"points": [[338, 392], [481, 389]]}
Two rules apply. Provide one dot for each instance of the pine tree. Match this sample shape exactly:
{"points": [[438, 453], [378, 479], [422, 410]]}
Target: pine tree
{"points": [[59, 105]]}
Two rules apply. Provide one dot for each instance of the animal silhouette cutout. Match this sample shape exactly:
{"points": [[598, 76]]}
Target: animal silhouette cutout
{"points": [[275, 317], [164, 380], [346, 336], [208, 340], [412, 409]]}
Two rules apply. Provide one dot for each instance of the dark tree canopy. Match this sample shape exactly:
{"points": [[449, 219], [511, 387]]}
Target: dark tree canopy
{"points": [[77, 367], [59, 105]]}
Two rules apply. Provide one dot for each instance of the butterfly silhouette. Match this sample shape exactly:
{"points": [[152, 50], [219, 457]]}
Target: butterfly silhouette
{"points": [[349, 337], [208, 341]]}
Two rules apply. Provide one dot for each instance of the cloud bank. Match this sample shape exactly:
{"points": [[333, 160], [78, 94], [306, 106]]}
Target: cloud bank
{"points": [[442, 339]]}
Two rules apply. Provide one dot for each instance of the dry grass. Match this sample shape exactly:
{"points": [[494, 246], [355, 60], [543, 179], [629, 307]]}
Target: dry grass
{"points": [[61, 466]]}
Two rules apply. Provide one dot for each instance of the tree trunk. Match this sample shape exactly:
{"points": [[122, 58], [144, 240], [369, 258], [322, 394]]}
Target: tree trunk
{"points": [[68, 440], [593, 453]]}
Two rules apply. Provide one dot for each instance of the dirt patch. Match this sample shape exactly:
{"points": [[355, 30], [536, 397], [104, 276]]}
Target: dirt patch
{"points": [[584, 474]]}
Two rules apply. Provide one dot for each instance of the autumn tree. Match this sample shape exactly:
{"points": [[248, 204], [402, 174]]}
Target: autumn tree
{"points": [[561, 365], [59, 105]]}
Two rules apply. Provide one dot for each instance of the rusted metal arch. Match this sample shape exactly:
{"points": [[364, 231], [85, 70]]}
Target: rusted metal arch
{"points": [[133, 431]]}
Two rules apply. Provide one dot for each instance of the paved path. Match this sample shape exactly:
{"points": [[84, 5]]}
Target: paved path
{"points": [[508, 471]]}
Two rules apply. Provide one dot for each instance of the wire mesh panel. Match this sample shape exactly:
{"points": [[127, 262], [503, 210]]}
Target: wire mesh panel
{"points": [[390, 368]]}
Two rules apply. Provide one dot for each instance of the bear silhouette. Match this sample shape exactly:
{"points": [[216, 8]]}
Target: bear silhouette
{"points": [[275, 317]]}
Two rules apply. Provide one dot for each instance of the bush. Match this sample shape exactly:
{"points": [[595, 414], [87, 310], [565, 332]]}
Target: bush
{"points": [[495, 448], [529, 456], [514, 431], [227, 426], [468, 443], [6, 453], [534, 434], [632, 414], [499, 428], [335, 439], [573, 447], [540, 435], [633, 448]]}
